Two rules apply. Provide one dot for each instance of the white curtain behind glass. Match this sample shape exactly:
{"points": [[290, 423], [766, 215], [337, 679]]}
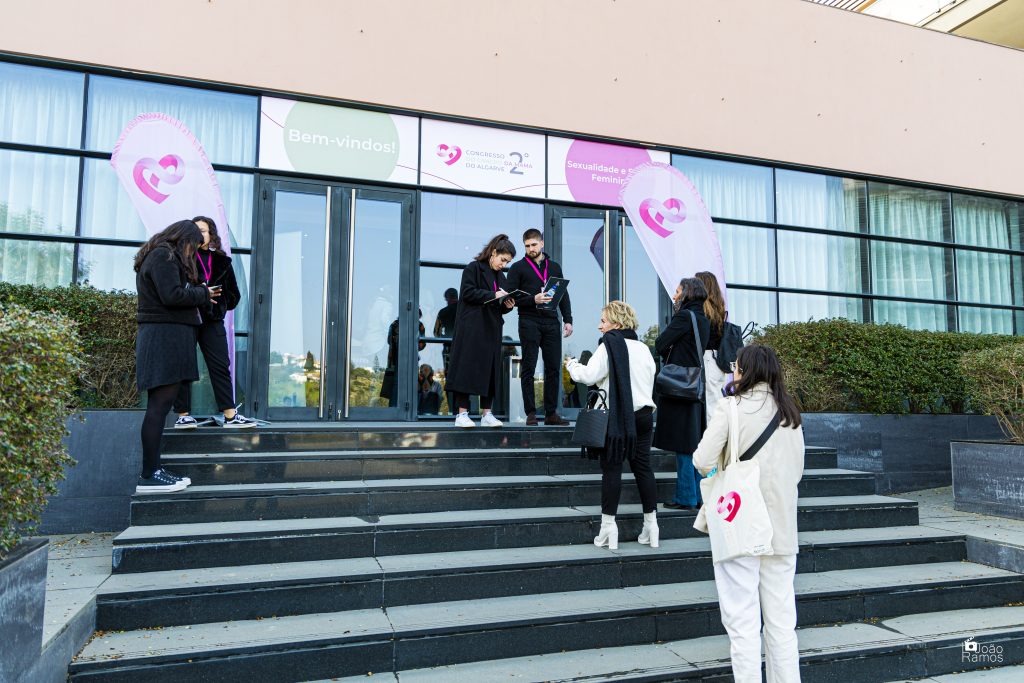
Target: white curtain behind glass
{"points": [[225, 123], [983, 277], [40, 106], [730, 190], [822, 262], [904, 269]]}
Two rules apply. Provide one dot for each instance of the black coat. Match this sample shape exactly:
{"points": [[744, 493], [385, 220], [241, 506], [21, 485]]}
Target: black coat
{"points": [[164, 293], [221, 273], [475, 361], [681, 423]]}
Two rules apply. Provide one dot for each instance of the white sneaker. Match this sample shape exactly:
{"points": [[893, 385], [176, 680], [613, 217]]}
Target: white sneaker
{"points": [[489, 420], [463, 421]]}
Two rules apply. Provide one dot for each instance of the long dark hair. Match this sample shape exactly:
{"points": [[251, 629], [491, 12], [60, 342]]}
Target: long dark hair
{"points": [[182, 239], [714, 305], [499, 243], [760, 364], [693, 290], [214, 244]]}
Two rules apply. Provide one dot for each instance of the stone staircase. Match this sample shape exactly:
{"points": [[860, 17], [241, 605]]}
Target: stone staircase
{"points": [[425, 553]]}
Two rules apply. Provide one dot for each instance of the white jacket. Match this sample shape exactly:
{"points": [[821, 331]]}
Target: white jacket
{"points": [[781, 459], [641, 372]]}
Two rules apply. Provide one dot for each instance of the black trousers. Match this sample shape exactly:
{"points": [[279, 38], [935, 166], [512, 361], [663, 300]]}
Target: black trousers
{"points": [[213, 342], [544, 335], [611, 475], [462, 401]]}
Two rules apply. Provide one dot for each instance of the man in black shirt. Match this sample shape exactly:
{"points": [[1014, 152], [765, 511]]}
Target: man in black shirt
{"points": [[444, 326], [538, 328]]}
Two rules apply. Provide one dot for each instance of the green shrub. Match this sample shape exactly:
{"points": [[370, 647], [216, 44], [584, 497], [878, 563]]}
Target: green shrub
{"points": [[106, 323], [995, 378], [40, 360], [844, 366]]}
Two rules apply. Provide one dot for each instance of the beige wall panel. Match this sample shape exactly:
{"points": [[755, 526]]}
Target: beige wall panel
{"points": [[783, 80]]}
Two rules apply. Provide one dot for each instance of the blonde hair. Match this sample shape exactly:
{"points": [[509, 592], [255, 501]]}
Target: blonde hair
{"points": [[714, 305], [622, 314]]}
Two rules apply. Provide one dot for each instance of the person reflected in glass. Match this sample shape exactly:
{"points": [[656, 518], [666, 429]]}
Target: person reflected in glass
{"points": [[389, 384], [214, 270], [714, 310], [539, 329], [429, 392], [444, 326], [681, 422], [169, 298], [476, 348], [623, 368]]}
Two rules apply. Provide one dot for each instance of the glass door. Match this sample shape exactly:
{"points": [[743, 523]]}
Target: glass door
{"points": [[585, 248], [329, 340]]}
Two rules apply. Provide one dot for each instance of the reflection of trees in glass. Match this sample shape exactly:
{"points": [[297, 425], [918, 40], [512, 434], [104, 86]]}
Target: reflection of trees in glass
{"points": [[650, 336], [32, 263]]}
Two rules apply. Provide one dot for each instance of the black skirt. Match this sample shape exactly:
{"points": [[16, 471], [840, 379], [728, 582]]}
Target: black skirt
{"points": [[165, 353]]}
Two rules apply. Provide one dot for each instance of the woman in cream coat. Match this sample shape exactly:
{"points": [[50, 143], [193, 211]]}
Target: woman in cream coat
{"points": [[752, 588]]}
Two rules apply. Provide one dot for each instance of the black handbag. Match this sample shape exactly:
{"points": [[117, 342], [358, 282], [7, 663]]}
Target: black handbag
{"points": [[677, 381], [592, 422]]}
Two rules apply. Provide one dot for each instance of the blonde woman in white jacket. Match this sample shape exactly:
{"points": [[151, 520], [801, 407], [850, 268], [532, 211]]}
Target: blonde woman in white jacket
{"points": [[623, 367], [752, 588]]}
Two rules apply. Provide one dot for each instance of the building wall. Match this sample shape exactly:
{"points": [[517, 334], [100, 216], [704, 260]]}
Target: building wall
{"points": [[785, 80]]}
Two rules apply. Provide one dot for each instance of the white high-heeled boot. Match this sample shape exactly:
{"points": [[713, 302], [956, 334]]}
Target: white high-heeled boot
{"points": [[649, 535], [609, 533]]}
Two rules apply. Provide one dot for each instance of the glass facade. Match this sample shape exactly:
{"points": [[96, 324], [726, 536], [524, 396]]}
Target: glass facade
{"points": [[797, 245]]}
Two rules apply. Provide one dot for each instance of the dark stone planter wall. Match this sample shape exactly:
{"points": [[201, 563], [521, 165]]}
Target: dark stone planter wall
{"points": [[96, 493], [905, 452], [988, 478], [22, 599]]}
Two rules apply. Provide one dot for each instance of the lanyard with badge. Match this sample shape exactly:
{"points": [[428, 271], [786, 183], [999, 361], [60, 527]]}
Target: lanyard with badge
{"points": [[207, 267]]}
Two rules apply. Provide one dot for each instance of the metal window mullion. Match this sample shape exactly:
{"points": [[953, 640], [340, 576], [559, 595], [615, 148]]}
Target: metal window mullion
{"points": [[324, 304]]}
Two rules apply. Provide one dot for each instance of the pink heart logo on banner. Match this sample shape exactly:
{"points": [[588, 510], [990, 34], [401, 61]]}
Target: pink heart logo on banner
{"points": [[159, 172], [453, 153], [729, 505], [672, 210]]}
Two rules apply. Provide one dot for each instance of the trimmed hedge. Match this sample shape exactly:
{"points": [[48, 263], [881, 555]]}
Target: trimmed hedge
{"points": [[843, 366], [40, 360], [995, 378], [106, 323]]}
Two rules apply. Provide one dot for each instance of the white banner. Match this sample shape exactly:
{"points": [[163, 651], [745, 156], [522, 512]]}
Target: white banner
{"points": [[593, 172], [464, 157], [338, 141]]}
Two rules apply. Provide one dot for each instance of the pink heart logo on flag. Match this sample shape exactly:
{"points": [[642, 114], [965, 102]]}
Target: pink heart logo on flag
{"points": [[655, 213], [169, 171], [729, 505], [452, 153]]}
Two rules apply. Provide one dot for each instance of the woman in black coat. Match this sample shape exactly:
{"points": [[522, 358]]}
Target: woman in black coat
{"points": [[169, 298], [214, 269], [681, 423], [476, 348]]}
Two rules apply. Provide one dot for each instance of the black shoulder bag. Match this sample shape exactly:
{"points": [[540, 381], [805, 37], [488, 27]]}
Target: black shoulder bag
{"points": [[592, 422], [763, 439], [677, 381]]}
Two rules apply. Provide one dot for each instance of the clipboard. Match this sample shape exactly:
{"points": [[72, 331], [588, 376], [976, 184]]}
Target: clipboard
{"points": [[515, 294], [555, 287]]}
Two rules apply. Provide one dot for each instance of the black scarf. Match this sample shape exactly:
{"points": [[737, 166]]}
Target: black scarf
{"points": [[621, 441]]}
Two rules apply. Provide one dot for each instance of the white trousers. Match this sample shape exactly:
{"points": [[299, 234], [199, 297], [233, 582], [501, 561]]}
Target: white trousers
{"points": [[750, 588], [715, 381]]}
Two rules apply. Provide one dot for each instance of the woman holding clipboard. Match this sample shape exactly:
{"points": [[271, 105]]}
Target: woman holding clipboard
{"points": [[476, 348]]}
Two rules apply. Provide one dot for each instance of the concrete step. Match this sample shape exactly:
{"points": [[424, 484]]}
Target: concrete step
{"points": [[212, 544], [180, 597], [929, 644], [249, 467], [239, 502], [438, 634]]}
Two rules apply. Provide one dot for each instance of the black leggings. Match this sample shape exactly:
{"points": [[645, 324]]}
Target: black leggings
{"points": [[462, 401], [640, 464], [159, 404]]}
